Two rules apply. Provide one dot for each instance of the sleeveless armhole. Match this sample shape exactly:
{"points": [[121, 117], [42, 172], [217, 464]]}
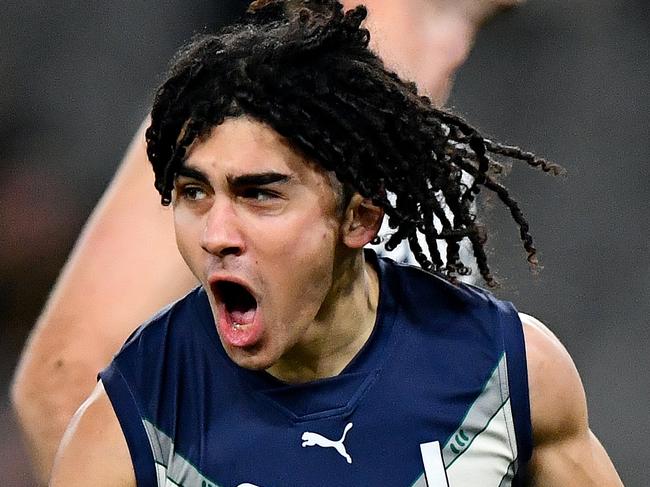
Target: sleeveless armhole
{"points": [[128, 415], [515, 349]]}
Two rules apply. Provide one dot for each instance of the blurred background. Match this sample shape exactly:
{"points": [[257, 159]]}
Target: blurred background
{"points": [[567, 80]]}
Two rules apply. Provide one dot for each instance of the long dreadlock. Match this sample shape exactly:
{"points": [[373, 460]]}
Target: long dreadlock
{"points": [[304, 68]]}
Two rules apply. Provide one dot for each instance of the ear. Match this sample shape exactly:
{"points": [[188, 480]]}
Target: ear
{"points": [[361, 222]]}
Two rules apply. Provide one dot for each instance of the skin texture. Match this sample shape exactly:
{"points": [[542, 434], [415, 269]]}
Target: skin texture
{"points": [[242, 232], [75, 337]]}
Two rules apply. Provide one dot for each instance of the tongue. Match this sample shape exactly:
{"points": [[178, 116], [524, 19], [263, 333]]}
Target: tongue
{"points": [[242, 317]]}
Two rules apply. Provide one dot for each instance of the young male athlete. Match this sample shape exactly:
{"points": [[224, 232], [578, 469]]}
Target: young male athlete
{"points": [[126, 260], [303, 359]]}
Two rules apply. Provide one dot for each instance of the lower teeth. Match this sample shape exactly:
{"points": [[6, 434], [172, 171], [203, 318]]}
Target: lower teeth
{"points": [[236, 325]]}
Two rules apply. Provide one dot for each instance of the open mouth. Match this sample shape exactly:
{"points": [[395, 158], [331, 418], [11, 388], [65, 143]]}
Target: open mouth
{"points": [[240, 305]]}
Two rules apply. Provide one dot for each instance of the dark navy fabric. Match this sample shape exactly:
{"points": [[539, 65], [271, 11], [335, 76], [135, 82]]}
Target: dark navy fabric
{"points": [[433, 348]]}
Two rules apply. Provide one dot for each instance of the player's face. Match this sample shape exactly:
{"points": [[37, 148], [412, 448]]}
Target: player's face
{"points": [[259, 226]]}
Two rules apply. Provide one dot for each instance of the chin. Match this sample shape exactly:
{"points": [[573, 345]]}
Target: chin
{"points": [[250, 359]]}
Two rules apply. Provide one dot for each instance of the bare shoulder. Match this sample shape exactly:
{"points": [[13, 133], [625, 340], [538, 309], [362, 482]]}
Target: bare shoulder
{"points": [[557, 397], [565, 450], [93, 449]]}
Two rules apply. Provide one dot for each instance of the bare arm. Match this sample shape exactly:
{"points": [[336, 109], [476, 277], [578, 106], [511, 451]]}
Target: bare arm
{"points": [[93, 450], [426, 41], [566, 453], [124, 267]]}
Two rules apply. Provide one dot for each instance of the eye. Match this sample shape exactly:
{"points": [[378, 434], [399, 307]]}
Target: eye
{"points": [[258, 194], [190, 192]]}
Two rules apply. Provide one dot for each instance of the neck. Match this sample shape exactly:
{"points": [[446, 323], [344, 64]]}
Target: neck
{"points": [[341, 328]]}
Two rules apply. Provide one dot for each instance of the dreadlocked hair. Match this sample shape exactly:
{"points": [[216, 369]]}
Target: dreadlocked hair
{"points": [[303, 67]]}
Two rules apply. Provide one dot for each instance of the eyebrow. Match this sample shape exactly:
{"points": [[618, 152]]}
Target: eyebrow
{"points": [[191, 173], [254, 179], [258, 179]]}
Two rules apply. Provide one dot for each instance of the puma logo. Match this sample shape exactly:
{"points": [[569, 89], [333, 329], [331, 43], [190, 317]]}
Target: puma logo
{"points": [[314, 439]]}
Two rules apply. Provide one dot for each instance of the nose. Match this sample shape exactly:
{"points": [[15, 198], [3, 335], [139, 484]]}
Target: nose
{"points": [[222, 234]]}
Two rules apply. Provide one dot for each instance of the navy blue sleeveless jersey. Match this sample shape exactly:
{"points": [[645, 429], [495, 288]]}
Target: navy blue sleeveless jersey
{"points": [[438, 396]]}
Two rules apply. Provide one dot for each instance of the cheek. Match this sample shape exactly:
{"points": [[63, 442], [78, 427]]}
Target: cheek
{"points": [[304, 264], [298, 240], [187, 232]]}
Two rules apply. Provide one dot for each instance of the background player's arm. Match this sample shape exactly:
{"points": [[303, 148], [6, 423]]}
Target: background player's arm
{"points": [[93, 450], [566, 453], [124, 267]]}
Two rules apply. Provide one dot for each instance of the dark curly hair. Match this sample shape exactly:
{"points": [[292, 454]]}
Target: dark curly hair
{"points": [[304, 68]]}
